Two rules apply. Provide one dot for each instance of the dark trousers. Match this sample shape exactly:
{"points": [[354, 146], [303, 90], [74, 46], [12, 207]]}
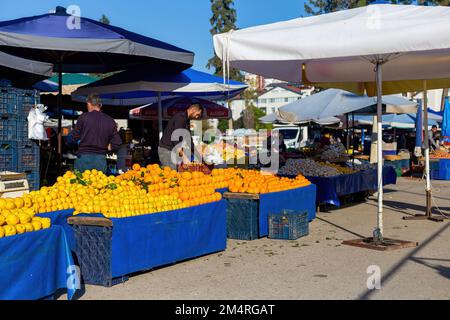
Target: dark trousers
{"points": [[91, 161]]}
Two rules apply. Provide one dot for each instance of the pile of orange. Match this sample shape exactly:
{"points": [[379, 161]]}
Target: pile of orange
{"points": [[252, 181]]}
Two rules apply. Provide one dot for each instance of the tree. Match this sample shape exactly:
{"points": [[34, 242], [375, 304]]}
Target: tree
{"points": [[104, 19], [315, 7], [223, 20]]}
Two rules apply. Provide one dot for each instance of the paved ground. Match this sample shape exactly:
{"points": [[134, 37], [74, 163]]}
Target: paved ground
{"points": [[317, 266]]}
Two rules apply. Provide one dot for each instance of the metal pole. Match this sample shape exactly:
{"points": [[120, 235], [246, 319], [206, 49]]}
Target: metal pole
{"points": [[378, 233], [160, 124], [59, 107], [347, 139], [427, 149], [353, 138]]}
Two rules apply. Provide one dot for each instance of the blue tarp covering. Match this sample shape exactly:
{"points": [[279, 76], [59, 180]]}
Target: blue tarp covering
{"points": [[300, 199], [35, 265], [144, 242], [446, 120], [440, 170], [148, 241], [60, 218], [330, 188]]}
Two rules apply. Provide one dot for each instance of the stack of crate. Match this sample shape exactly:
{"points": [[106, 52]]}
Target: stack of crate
{"points": [[17, 152]]}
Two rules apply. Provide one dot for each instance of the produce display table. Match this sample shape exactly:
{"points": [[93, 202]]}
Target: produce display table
{"points": [[299, 199], [330, 188], [440, 169], [35, 265]]}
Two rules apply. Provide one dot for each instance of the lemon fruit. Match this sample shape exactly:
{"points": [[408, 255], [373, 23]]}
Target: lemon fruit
{"points": [[2, 220], [24, 218], [18, 202], [20, 228], [2, 232], [9, 230], [29, 227], [37, 225], [12, 220], [46, 223]]}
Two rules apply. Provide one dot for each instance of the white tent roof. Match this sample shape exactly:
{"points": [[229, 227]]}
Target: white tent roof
{"points": [[335, 47]]}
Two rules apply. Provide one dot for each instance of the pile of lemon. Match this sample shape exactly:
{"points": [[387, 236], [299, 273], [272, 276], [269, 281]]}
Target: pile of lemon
{"points": [[17, 216]]}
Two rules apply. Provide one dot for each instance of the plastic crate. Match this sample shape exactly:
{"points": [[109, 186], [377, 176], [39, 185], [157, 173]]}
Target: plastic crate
{"points": [[8, 128], [26, 99], [288, 225], [33, 178], [8, 156], [28, 156], [94, 253], [243, 219], [8, 101]]}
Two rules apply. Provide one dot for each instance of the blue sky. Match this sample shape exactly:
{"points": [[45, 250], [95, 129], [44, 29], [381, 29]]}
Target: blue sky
{"points": [[184, 23]]}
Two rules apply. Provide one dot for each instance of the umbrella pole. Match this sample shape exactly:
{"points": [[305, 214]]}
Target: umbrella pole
{"points": [[378, 242], [378, 232], [59, 107], [160, 126]]}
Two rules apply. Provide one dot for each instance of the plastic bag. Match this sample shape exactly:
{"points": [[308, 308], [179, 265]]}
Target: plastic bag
{"points": [[36, 119]]}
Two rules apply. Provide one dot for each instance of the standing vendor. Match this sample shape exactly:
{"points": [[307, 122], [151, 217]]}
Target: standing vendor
{"points": [[433, 137], [166, 145], [96, 134]]}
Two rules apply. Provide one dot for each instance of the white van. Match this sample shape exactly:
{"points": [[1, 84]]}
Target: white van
{"points": [[295, 137]]}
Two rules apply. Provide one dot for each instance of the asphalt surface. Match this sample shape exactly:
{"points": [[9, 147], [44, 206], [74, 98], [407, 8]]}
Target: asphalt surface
{"points": [[318, 266]]}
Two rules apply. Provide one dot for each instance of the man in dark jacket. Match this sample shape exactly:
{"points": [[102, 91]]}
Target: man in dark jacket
{"points": [[167, 145], [96, 134]]}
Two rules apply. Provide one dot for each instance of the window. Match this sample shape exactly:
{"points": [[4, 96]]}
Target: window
{"points": [[274, 110], [271, 100], [289, 134], [286, 99], [262, 100]]}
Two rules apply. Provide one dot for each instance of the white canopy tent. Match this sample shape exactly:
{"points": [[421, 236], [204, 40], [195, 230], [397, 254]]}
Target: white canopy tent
{"points": [[368, 49]]}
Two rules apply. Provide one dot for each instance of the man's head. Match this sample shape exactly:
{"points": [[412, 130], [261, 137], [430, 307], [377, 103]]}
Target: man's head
{"points": [[93, 102], [434, 128], [195, 111]]}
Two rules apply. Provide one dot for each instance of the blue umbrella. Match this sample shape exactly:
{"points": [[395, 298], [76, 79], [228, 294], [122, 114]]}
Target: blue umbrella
{"points": [[446, 120], [400, 121], [139, 86], [85, 45], [77, 44], [46, 86]]}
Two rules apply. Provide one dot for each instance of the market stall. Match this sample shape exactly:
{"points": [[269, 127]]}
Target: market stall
{"points": [[334, 181], [34, 265], [148, 241]]}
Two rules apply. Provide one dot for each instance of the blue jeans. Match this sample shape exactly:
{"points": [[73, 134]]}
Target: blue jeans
{"points": [[91, 161]]}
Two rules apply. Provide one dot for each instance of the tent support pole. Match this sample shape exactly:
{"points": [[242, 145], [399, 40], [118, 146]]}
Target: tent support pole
{"points": [[428, 215], [160, 126], [59, 107]]}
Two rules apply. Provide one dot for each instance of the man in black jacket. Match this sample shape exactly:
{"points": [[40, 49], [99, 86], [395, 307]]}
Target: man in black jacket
{"points": [[167, 144]]}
